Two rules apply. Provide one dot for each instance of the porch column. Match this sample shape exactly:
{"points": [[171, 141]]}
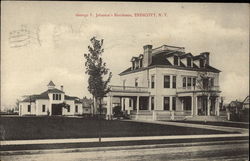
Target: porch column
{"points": [[182, 104], [130, 100], [149, 103], [122, 103], [217, 107], [208, 106], [192, 106], [196, 103], [170, 103], [137, 104]]}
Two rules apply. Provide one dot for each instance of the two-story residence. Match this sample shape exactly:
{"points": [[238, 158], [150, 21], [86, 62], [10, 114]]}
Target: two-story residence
{"points": [[166, 83], [52, 102]]}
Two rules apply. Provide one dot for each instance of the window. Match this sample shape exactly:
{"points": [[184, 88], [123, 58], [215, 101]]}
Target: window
{"points": [[44, 107], [212, 82], [130, 102], [29, 108], [152, 103], [201, 63], [174, 82], [76, 108], [166, 103], [184, 82], [69, 109], [173, 103], [205, 83], [166, 81], [56, 96], [133, 65], [136, 65], [194, 82], [176, 60], [189, 60], [189, 82], [136, 82], [140, 63], [152, 81]]}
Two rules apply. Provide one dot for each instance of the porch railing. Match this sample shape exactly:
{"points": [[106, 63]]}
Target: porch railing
{"points": [[128, 89], [192, 88]]}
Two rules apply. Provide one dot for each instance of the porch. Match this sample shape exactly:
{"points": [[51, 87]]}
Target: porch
{"points": [[139, 104], [138, 99]]}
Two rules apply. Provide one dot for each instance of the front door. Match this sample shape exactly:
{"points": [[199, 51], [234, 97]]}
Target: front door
{"points": [[56, 109]]}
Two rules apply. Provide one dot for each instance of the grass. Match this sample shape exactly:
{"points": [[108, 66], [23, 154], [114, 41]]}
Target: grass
{"points": [[23, 128], [227, 124]]}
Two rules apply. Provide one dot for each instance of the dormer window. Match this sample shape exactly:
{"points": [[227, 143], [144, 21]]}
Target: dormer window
{"points": [[176, 60], [133, 65], [189, 61], [136, 65], [136, 82], [201, 63], [140, 63]]}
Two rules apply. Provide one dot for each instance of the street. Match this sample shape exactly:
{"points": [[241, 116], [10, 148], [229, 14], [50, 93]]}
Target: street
{"points": [[227, 150]]}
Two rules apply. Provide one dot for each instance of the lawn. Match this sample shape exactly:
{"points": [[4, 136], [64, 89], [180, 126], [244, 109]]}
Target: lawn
{"points": [[226, 124], [22, 128]]}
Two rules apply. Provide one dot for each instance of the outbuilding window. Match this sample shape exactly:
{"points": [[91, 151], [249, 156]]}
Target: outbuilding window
{"points": [[76, 108], [29, 108], [43, 108]]}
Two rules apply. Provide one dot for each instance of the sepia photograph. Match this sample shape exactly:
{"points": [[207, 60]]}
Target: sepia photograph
{"points": [[124, 81]]}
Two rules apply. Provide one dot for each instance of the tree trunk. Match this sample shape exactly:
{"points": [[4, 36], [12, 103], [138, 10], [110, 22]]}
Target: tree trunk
{"points": [[100, 121]]}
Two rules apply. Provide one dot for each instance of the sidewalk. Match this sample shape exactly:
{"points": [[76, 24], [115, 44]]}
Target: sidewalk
{"points": [[210, 127], [117, 148], [118, 139]]}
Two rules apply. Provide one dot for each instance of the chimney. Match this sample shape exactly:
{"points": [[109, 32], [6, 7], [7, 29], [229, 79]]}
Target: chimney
{"points": [[61, 87], [206, 55], [147, 57]]}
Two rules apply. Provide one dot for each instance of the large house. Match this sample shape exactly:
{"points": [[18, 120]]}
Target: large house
{"points": [[54, 102], [167, 83]]}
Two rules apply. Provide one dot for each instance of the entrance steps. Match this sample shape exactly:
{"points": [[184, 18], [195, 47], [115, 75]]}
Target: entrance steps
{"points": [[142, 115]]}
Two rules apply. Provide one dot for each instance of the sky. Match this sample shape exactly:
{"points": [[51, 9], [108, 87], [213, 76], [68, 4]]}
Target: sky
{"points": [[60, 33]]}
